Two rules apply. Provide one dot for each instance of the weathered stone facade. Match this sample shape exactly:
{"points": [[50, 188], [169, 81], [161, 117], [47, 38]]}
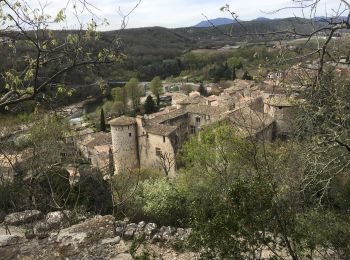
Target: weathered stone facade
{"points": [[152, 141]]}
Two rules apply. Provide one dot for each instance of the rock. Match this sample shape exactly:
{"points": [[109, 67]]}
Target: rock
{"points": [[141, 226], [24, 217], [83, 234], [120, 223], [111, 241], [169, 233], [129, 231], [7, 240], [57, 219], [158, 237], [150, 229], [123, 256], [119, 231]]}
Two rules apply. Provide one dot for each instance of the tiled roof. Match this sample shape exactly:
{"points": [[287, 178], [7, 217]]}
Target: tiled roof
{"points": [[248, 121], [192, 100], [167, 116], [159, 129], [99, 139], [123, 120], [205, 110]]}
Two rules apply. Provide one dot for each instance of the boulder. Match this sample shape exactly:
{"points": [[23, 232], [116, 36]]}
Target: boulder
{"points": [[141, 226], [24, 217], [169, 232], [158, 237], [112, 241], [57, 219], [86, 233], [120, 227], [150, 229], [7, 240], [129, 231]]}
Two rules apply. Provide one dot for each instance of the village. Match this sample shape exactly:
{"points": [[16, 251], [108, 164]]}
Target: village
{"points": [[256, 110]]}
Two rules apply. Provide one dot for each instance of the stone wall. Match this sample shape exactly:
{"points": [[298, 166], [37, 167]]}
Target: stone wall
{"points": [[148, 145], [124, 139], [51, 236]]}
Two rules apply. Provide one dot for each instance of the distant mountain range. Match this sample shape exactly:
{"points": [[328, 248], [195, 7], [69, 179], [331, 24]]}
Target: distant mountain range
{"points": [[225, 21], [216, 22]]}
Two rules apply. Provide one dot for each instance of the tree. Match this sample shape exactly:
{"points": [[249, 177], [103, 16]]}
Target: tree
{"points": [[157, 88], [120, 96], [235, 62], [246, 76], [102, 121], [149, 105], [202, 90], [134, 93], [38, 74]]}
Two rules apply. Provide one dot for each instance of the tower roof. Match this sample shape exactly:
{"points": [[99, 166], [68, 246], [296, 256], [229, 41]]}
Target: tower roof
{"points": [[123, 120]]}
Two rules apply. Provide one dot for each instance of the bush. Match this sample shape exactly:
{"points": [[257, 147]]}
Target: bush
{"points": [[162, 202]]}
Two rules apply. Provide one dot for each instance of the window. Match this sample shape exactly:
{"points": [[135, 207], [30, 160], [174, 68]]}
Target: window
{"points": [[198, 119], [163, 139], [158, 152], [193, 130], [129, 134]]}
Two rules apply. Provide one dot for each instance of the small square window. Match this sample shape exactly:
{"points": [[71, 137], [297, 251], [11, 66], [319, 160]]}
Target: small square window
{"points": [[163, 139], [193, 130], [129, 134], [158, 152], [198, 119]]}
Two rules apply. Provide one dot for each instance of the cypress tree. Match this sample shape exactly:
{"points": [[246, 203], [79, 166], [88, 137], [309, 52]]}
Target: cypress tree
{"points": [[202, 90], [149, 105], [102, 121]]}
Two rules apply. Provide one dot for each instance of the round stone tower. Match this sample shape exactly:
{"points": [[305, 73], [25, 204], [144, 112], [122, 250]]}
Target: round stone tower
{"points": [[124, 143]]}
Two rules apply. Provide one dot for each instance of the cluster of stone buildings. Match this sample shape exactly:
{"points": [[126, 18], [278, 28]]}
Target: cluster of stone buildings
{"points": [[152, 141]]}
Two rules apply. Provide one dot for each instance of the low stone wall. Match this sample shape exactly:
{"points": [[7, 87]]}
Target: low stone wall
{"points": [[52, 236]]}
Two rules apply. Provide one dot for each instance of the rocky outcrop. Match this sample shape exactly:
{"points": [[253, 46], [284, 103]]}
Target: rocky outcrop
{"points": [[100, 237], [24, 217]]}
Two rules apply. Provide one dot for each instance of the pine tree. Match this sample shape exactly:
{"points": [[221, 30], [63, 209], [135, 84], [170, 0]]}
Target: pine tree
{"points": [[102, 121], [149, 105]]}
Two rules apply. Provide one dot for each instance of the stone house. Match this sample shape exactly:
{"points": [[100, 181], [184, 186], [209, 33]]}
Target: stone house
{"points": [[153, 141]]}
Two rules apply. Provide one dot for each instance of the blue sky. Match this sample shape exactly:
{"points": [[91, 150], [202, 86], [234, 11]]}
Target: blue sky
{"points": [[182, 13]]}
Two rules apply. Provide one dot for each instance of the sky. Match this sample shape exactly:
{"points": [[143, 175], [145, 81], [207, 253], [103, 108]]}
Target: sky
{"points": [[178, 13]]}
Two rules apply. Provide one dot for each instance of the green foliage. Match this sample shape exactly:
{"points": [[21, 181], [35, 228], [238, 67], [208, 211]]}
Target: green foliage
{"points": [[235, 62], [149, 106], [134, 93], [126, 188], [157, 88], [44, 64], [162, 202]]}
